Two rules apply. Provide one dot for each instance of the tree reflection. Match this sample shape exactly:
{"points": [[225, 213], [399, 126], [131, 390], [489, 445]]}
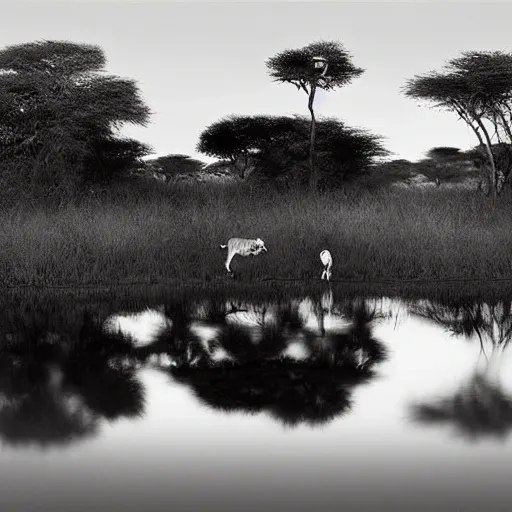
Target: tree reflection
{"points": [[56, 388], [108, 392], [492, 323], [35, 407], [261, 377], [480, 407], [292, 393], [179, 341], [61, 377]]}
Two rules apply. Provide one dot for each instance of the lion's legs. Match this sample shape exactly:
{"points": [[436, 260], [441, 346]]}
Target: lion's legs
{"points": [[228, 261]]}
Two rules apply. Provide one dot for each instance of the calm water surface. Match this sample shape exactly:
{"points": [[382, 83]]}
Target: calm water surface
{"points": [[309, 403]]}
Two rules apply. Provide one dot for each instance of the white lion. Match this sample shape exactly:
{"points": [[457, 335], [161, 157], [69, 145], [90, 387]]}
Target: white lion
{"points": [[244, 247], [326, 259]]}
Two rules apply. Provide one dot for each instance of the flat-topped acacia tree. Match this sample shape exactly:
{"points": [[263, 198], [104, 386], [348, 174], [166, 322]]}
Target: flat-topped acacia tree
{"points": [[478, 88], [320, 65], [237, 138], [278, 145]]}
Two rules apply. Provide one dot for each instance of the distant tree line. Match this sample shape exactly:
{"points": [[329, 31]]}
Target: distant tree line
{"points": [[60, 120], [477, 86]]}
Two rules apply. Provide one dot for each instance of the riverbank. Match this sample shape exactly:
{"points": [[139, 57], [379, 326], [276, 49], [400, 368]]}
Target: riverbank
{"points": [[151, 238]]}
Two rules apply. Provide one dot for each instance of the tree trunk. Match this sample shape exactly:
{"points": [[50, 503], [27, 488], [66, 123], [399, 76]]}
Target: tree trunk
{"points": [[491, 171], [313, 177], [469, 116], [492, 166]]}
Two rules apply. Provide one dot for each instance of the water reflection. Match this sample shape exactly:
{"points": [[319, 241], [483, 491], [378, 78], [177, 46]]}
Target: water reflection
{"points": [[36, 407], [185, 398], [296, 359], [481, 406], [56, 387], [276, 364]]}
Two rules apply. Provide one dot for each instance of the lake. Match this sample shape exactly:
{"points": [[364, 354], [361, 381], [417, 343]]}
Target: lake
{"points": [[313, 401]]}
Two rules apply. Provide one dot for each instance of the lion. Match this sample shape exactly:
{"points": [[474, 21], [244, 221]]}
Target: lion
{"points": [[243, 247]]}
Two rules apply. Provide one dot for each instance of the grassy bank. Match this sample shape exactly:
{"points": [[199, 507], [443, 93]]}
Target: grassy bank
{"points": [[175, 234]]}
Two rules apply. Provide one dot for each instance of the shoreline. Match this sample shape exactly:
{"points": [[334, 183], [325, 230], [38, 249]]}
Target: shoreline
{"points": [[468, 290], [394, 240]]}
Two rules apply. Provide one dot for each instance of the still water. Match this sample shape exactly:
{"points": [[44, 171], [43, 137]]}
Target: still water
{"points": [[305, 403]]}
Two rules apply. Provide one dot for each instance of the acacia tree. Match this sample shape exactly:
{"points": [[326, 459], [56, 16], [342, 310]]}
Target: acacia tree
{"points": [[279, 147], [320, 65], [236, 138], [341, 152], [59, 114], [228, 139], [169, 166], [444, 153], [478, 88], [110, 157]]}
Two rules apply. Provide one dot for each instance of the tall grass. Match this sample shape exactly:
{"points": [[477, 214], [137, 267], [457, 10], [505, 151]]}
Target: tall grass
{"points": [[165, 233]]}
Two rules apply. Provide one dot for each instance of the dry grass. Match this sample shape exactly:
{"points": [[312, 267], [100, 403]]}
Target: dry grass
{"points": [[156, 235]]}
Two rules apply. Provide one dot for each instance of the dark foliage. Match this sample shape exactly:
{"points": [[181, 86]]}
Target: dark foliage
{"points": [[444, 153], [477, 87], [111, 157], [171, 166], [278, 148], [59, 117], [295, 66]]}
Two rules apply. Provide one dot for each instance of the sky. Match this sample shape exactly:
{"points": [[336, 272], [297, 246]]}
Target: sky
{"points": [[196, 62]]}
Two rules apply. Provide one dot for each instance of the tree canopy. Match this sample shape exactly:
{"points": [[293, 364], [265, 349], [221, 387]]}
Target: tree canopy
{"points": [[320, 65], [295, 66], [172, 165], [236, 135], [478, 87], [278, 145], [59, 114], [443, 153]]}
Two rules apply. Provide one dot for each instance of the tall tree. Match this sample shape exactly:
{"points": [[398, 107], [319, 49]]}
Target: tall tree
{"points": [[320, 65], [58, 110], [478, 87], [341, 153], [279, 149]]}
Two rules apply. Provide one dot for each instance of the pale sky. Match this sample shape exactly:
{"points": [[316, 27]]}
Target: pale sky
{"points": [[196, 62]]}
